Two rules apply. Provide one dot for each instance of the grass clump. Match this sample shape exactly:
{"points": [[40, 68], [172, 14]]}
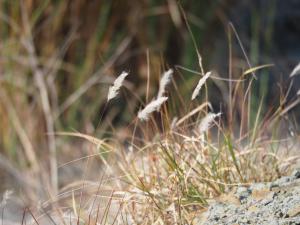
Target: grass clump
{"points": [[172, 168], [174, 162], [179, 151]]}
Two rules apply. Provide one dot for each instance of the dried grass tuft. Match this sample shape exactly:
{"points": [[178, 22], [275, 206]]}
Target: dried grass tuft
{"points": [[207, 121], [151, 107], [200, 84], [296, 71], [165, 80], [114, 89]]}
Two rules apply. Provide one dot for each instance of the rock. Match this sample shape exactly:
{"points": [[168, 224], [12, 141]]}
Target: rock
{"points": [[296, 173], [253, 208], [229, 199], [262, 194], [259, 186], [294, 211], [273, 203], [242, 193]]}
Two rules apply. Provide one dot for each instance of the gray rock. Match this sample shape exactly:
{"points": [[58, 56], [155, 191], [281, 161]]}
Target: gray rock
{"points": [[278, 204], [242, 193], [259, 186], [296, 173]]}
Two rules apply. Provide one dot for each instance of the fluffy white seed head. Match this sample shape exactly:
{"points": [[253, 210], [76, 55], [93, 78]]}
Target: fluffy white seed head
{"points": [[114, 89], [206, 122], [200, 84], [164, 81], [150, 108], [296, 71]]}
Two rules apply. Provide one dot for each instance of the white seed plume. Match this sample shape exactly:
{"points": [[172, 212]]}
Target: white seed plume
{"points": [[114, 89], [151, 107], [295, 71], [200, 84], [206, 122], [298, 92], [6, 196], [164, 81]]}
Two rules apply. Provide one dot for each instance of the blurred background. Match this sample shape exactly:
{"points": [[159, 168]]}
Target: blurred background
{"points": [[58, 58]]}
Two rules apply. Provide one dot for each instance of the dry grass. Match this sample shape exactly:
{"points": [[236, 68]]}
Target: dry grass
{"points": [[174, 156], [168, 173]]}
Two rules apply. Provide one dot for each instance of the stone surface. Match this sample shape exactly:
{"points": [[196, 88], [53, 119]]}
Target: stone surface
{"points": [[274, 203]]}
